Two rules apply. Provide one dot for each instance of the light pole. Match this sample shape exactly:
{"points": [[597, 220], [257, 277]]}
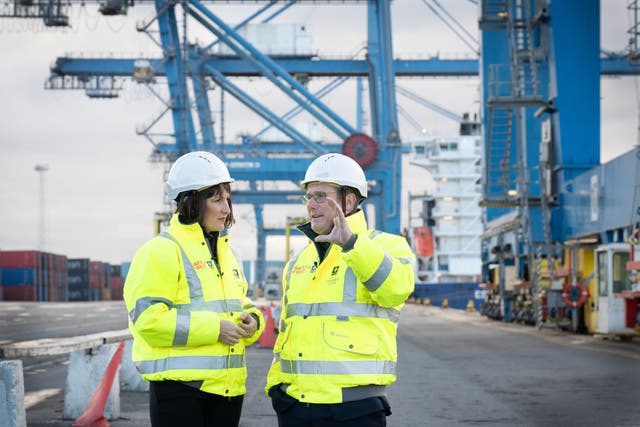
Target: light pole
{"points": [[41, 169]]}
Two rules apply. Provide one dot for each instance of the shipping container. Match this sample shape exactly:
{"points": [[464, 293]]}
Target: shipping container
{"points": [[116, 294], [18, 293], [19, 276], [124, 269], [20, 259], [78, 279]]}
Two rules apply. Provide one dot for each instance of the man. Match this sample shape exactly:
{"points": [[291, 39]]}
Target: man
{"points": [[336, 350]]}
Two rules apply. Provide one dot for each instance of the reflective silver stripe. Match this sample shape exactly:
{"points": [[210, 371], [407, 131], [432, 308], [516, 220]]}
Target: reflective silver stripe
{"points": [[288, 276], [349, 394], [195, 286], [283, 327], [381, 274], [143, 303], [191, 363], [181, 334], [216, 306], [323, 367], [247, 307], [342, 309], [349, 291]]}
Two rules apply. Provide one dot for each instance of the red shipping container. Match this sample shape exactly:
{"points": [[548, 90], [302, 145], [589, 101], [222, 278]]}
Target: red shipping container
{"points": [[116, 282], [18, 293], [116, 294], [20, 259]]}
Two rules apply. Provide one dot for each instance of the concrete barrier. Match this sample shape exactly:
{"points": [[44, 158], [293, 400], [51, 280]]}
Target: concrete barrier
{"points": [[12, 412], [85, 371], [89, 357]]}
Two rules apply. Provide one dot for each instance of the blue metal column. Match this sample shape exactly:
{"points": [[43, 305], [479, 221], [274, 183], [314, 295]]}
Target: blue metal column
{"points": [[384, 122], [574, 62], [203, 106], [176, 78]]}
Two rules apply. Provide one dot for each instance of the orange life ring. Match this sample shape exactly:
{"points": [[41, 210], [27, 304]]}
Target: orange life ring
{"points": [[572, 298]]}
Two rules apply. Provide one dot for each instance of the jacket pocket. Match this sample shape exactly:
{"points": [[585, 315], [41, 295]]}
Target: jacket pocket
{"points": [[350, 337]]}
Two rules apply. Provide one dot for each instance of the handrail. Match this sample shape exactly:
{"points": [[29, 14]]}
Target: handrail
{"points": [[53, 346]]}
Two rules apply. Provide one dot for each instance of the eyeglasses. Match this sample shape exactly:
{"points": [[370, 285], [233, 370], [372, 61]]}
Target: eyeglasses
{"points": [[318, 197]]}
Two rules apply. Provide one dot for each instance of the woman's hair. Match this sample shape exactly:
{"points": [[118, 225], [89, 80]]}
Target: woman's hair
{"points": [[190, 208]]}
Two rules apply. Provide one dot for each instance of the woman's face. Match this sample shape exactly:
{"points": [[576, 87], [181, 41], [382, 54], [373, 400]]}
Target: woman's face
{"points": [[216, 211]]}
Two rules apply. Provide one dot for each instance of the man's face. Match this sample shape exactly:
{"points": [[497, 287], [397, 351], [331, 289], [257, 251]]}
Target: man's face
{"points": [[318, 208]]}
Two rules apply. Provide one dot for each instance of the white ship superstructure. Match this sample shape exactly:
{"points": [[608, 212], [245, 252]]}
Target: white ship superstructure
{"points": [[455, 218]]}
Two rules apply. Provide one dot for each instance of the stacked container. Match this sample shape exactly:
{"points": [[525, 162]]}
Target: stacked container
{"points": [[20, 273], [33, 276], [116, 282], [106, 289], [42, 276], [96, 280], [78, 279]]}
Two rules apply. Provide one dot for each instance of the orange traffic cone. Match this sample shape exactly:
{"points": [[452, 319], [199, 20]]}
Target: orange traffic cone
{"points": [[268, 337], [93, 416]]}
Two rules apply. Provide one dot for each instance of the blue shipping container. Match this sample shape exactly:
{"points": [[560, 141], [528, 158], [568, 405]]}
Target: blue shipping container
{"points": [[19, 276]]}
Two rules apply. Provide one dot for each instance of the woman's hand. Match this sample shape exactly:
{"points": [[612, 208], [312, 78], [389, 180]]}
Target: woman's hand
{"points": [[248, 325], [230, 333]]}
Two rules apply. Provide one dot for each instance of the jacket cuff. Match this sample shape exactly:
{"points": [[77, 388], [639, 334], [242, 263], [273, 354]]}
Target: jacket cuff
{"points": [[255, 316], [348, 245]]}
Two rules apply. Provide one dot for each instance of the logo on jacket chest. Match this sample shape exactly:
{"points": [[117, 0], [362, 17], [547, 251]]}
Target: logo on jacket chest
{"points": [[199, 265], [301, 269]]}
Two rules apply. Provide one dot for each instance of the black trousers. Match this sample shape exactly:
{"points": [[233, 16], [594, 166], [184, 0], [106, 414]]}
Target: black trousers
{"points": [[369, 412], [172, 403]]}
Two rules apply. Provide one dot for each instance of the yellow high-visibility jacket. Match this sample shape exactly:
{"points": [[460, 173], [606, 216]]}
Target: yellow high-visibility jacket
{"points": [[337, 339], [176, 297]]}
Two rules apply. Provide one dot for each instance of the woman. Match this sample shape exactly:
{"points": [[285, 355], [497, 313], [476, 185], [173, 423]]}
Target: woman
{"points": [[188, 310]]}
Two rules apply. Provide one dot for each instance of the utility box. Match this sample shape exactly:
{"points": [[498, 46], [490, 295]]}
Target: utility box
{"points": [[275, 40]]}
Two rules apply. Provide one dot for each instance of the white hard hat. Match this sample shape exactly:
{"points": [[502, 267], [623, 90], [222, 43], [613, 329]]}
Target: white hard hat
{"points": [[195, 171], [336, 168]]}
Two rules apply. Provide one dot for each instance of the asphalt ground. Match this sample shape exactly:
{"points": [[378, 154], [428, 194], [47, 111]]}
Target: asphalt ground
{"points": [[455, 369]]}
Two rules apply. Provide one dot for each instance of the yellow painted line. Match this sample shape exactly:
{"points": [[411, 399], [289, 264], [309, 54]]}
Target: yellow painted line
{"points": [[33, 398]]}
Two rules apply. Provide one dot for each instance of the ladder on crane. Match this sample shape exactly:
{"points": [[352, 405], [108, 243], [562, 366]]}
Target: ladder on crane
{"points": [[513, 88]]}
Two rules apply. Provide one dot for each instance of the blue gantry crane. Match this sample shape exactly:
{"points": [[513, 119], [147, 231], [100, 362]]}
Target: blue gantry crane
{"points": [[541, 97], [189, 70], [515, 92]]}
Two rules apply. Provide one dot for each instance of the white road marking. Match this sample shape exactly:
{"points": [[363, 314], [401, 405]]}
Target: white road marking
{"points": [[32, 398]]}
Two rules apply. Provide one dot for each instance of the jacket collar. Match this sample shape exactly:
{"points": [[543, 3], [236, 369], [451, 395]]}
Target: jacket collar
{"points": [[188, 231]]}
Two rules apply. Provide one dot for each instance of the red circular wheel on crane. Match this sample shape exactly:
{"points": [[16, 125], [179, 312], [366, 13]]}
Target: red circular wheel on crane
{"points": [[575, 296], [361, 148]]}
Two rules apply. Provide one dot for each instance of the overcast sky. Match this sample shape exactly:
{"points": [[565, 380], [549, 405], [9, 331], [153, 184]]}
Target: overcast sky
{"points": [[100, 190]]}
